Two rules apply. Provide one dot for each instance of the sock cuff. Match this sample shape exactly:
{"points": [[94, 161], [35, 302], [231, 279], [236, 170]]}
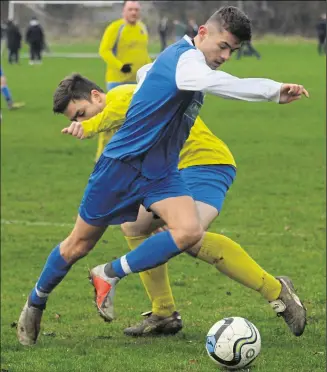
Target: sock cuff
{"points": [[208, 249], [176, 249], [134, 241], [208, 240], [61, 262], [133, 238]]}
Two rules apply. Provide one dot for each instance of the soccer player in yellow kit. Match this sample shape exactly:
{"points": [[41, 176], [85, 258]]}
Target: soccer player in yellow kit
{"points": [[124, 49], [208, 168]]}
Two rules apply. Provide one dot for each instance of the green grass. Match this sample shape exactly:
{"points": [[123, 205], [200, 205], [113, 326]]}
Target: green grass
{"points": [[275, 209]]}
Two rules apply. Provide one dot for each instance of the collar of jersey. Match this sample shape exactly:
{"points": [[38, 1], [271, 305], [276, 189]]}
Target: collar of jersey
{"points": [[188, 39]]}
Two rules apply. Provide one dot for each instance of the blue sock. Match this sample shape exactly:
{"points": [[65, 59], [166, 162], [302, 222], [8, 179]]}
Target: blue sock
{"points": [[54, 271], [6, 92], [153, 252]]}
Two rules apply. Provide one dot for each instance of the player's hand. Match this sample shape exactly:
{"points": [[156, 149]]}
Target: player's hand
{"points": [[292, 92], [127, 68], [75, 129]]}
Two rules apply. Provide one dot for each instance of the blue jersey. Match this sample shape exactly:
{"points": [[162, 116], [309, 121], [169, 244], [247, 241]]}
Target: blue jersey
{"points": [[158, 120], [1, 74]]}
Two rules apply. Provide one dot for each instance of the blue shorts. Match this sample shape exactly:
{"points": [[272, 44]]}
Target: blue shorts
{"points": [[209, 183], [111, 85], [116, 190]]}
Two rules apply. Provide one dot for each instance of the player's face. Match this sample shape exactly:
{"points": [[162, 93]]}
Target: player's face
{"points": [[217, 46], [131, 11], [82, 109]]}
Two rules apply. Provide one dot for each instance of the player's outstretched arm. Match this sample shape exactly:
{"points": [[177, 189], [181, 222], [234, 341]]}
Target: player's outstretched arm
{"points": [[192, 73]]}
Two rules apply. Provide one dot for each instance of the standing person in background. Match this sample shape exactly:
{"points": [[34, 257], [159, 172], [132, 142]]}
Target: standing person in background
{"points": [[321, 33], [163, 32], [3, 31], [192, 28], [124, 48], [14, 39], [3, 36], [180, 29], [35, 39], [247, 49]]}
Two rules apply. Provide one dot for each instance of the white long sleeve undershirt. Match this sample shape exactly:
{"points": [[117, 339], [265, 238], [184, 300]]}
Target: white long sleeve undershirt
{"points": [[192, 73]]}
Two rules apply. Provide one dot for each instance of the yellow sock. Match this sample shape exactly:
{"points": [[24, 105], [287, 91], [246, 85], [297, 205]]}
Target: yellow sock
{"points": [[230, 258], [156, 283], [103, 139]]}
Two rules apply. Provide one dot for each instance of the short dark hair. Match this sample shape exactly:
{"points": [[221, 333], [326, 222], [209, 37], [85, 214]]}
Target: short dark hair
{"points": [[125, 1], [233, 20], [72, 87]]}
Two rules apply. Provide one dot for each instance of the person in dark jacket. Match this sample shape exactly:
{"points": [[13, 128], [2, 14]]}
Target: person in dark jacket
{"points": [[247, 49], [3, 36], [35, 39], [3, 31], [163, 32], [321, 33], [192, 28], [14, 39]]}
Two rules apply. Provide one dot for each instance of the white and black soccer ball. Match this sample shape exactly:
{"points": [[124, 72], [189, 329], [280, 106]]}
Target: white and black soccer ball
{"points": [[233, 343]]}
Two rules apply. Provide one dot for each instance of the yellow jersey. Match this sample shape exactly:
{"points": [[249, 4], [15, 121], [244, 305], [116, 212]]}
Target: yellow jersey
{"points": [[201, 148], [124, 43]]}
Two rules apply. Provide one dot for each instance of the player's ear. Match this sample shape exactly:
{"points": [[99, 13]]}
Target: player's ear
{"points": [[96, 96], [203, 32]]}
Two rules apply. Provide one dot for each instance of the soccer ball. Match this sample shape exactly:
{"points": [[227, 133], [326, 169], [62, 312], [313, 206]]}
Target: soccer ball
{"points": [[233, 343]]}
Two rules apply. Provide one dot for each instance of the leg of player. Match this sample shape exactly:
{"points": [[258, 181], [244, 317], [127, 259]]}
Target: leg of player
{"points": [[209, 185], [185, 230], [7, 94], [77, 245], [163, 318], [232, 260]]}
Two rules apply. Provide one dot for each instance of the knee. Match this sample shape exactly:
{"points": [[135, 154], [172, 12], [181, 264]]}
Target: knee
{"points": [[73, 248], [129, 229], [133, 229], [188, 235]]}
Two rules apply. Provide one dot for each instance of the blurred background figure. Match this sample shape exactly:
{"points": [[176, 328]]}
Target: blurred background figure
{"points": [[180, 29], [192, 29], [3, 31], [247, 49], [14, 41], [2, 36], [124, 49], [321, 33], [163, 32], [34, 37], [7, 94]]}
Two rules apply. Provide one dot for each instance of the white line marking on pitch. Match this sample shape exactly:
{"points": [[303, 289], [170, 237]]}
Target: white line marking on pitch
{"points": [[221, 231], [35, 223]]}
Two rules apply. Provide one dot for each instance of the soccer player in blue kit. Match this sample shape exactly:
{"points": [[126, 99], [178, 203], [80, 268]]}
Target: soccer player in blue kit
{"points": [[7, 94], [139, 165]]}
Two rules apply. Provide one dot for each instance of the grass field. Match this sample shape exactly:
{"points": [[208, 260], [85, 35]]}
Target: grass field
{"points": [[275, 209]]}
